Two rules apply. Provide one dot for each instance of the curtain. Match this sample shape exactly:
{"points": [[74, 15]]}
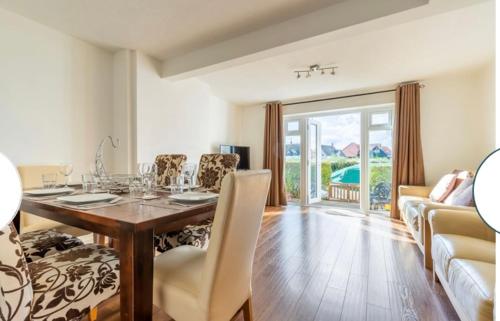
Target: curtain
{"points": [[408, 163], [274, 153]]}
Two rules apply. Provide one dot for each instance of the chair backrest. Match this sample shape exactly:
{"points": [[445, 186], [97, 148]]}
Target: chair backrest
{"points": [[213, 168], [226, 279], [168, 165], [16, 291], [31, 177]]}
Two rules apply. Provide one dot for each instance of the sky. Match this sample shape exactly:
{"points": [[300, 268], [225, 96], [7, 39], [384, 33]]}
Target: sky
{"points": [[341, 130]]}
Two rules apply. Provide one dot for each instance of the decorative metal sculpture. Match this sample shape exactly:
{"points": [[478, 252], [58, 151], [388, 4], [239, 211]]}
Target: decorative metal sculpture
{"points": [[100, 170]]}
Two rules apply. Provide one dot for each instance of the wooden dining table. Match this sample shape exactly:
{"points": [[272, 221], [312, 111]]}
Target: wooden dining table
{"points": [[133, 224]]}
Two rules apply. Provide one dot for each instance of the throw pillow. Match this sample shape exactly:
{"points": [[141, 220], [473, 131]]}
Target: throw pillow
{"points": [[462, 195], [443, 188]]}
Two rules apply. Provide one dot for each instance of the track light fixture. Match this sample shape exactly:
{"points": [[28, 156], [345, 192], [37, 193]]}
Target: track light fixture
{"points": [[313, 68]]}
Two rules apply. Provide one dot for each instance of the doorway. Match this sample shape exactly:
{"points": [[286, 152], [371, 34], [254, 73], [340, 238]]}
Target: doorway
{"points": [[340, 158]]}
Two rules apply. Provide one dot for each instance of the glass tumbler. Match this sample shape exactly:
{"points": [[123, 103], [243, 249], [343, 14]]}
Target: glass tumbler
{"points": [[135, 187], [89, 183], [176, 184], [49, 180]]}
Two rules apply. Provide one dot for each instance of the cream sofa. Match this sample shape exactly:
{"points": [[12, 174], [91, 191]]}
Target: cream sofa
{"points": [[414, 205], [463, 252]]}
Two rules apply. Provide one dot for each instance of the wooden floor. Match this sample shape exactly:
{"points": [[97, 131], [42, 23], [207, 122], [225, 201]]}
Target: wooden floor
{"points": [[311, 265]]}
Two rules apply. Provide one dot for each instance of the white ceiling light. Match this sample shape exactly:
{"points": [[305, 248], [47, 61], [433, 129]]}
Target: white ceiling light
{"points": [[314, 68]]}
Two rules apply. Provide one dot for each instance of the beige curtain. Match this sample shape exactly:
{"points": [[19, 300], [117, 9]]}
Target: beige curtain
{"points": [[274, 153], [408, 162]]}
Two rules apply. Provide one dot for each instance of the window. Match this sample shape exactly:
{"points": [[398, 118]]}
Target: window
{"points": [[292, 126], [381, 119]]}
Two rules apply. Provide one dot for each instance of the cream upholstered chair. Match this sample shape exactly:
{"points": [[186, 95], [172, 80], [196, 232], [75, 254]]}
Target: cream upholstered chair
{"points": [[64, 286], [212, 169], [31, 177], [193, 284]]}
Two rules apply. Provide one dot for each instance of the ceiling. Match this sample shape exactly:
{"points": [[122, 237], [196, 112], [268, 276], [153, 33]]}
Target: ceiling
{"points": [[161, 28], [414, 50]]}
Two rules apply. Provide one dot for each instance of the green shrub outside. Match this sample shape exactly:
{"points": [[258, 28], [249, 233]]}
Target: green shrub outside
{"points": [[381, 172], [340, 163], [292, 178]]}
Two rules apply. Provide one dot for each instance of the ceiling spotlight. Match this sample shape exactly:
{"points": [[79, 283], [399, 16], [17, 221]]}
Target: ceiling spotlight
{"points": [[315, 68]]}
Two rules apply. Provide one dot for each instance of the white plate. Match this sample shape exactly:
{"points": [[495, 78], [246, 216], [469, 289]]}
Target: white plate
{"points": [[49, 191], [193, 196], [87, 198], [186, 186]]}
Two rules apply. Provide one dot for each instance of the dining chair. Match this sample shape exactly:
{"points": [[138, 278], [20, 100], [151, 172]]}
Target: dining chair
{"points": [[31, 177], [214, 284], [168, 165], [64, 286], [212, 169], [41, 237]]}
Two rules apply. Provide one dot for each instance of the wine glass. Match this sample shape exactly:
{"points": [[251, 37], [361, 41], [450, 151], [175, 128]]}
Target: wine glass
{"points": [[188, 171], [66, 170]]}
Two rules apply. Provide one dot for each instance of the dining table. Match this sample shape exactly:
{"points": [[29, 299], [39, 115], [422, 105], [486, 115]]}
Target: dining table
{"points": [[133, 223]]}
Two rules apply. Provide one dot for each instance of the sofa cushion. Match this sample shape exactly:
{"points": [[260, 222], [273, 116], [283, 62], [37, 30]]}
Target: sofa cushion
{"points": [[408, 200], [411, 217], [446, 247], [473, 284], [443, 188], [411, 214]]}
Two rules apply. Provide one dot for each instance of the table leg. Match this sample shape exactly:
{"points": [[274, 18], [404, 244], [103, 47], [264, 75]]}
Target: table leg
{"points": [[136, 275]]}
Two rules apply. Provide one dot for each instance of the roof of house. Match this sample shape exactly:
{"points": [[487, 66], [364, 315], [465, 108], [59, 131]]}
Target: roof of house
{"points": [[351, 150]]}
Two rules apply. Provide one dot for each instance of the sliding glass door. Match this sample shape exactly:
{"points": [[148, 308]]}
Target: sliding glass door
{"points": [[341, 158]]}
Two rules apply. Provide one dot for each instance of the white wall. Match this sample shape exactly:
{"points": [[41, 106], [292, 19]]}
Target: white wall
{"points": [[124, 111], [457, 120], [55, 95], [180, 117]]}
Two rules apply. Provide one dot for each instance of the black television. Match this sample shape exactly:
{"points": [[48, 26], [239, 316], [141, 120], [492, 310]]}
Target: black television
{"points": [[243, 151]]}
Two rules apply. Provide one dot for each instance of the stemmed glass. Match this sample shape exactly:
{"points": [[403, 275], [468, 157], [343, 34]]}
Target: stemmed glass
{"points": [[188, 171], [66, 170]]}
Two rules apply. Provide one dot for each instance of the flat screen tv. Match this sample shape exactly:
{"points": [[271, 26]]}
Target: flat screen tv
{"points": [[243, 151]]}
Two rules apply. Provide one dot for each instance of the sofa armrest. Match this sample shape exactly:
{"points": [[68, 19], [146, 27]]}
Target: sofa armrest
{"points": [[413, 190], [425, 208], [466, 223]]}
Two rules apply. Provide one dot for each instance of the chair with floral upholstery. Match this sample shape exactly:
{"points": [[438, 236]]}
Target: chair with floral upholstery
{"points": [[212, 169], [168, 165], [62, 287], [39, 244], [42, 237]]}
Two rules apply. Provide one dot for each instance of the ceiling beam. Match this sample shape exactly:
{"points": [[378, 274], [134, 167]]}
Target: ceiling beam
{"points": [[282, 37]]}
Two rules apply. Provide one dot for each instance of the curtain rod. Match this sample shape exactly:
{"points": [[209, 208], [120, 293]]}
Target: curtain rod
{"points": [[341, 97]]}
